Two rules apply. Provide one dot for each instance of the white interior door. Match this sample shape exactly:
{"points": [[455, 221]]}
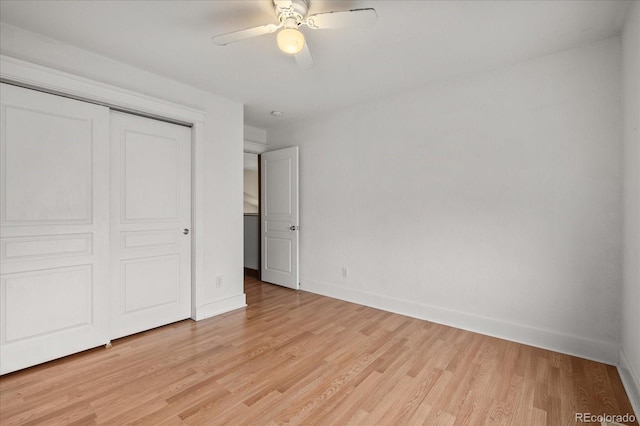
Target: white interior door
{"points": [[279, 217], [54, 241], [150, 223]]}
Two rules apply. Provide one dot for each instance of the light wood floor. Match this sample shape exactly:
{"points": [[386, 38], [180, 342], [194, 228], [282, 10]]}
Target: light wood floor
{"points": [[299, 358]]}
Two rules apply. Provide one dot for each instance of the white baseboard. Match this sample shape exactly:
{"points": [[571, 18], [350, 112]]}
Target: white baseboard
{"points": [[220, 307], [594, 350], [630, 380]]}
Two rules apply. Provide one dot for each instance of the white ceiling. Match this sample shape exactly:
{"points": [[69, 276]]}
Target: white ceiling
{"points": [[413, 43]]}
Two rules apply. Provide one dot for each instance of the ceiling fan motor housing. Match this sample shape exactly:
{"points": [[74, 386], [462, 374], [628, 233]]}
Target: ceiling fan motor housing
{"points": [[291, 12]]}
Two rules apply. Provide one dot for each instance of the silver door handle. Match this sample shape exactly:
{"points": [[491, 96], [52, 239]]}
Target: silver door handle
{"points": [[294, 228], [185, 231]]}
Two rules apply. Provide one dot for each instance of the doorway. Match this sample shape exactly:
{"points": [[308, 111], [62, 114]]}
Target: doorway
{"points": [[271, 223], [251, 197]]}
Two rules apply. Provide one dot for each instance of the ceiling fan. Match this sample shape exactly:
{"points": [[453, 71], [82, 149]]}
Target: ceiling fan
{"points": [[292, 14]]}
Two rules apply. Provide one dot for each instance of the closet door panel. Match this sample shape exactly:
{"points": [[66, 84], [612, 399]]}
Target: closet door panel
{"points": [[150, 224], [54, 206]]}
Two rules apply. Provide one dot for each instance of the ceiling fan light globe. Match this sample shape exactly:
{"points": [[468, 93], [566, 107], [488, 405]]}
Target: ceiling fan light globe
{"points": [[290, 41]]}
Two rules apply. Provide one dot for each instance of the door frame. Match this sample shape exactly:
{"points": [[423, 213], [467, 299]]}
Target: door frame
{"points": [[25, 74]]}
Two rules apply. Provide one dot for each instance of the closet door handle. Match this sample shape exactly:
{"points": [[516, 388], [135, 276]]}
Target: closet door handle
{"points": [[185, 231]]}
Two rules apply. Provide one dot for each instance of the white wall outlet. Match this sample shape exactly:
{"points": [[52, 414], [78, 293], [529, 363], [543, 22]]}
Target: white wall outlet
{"points": [[219, 281], [345, 272]]}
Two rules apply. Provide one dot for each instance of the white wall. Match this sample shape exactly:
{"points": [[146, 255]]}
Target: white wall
{"points": [[255, 134], [255, 139], [223, 153], [491, 203], [630, 355]]}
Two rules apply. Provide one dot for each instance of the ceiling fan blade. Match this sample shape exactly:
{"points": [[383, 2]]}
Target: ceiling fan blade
{"points": [[348, 18], [228, 38], [304, 59]]}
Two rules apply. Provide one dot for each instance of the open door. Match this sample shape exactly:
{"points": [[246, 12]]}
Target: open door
{"points": [[279, 217]]}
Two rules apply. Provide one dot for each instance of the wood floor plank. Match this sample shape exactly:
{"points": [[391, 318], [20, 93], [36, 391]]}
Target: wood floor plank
{"points": [[300, 358]]}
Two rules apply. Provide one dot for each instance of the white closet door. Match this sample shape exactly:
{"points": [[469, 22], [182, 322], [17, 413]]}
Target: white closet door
{"points": [[54, 242], [150, 223]]}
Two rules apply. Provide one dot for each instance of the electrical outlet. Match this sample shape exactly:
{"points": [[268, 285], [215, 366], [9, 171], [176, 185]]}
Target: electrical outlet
{"points": [[219, 281], [345, 272]]}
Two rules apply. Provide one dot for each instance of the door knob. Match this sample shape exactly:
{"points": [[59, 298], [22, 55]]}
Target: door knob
{"points": [[293, 228], [185, 231]]}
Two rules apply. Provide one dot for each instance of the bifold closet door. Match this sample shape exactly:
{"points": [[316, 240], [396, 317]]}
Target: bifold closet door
{"points": [[150, 223], [54, 219]]}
